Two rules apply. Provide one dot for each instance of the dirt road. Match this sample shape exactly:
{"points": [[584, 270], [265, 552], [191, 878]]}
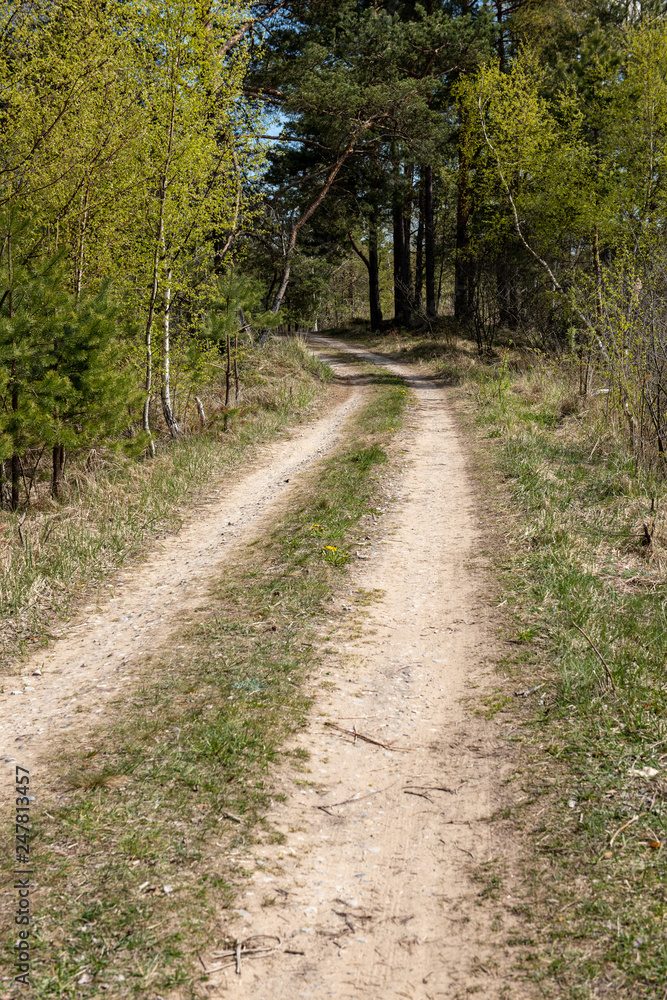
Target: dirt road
{"points": [[370, 893], [96, 659]]}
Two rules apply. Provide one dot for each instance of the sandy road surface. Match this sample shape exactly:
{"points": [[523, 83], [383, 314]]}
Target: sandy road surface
{"points": [[370, 893], [371, 896], [96, 659]]}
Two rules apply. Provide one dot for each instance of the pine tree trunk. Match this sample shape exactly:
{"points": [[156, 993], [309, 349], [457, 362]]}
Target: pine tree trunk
{"points": [[58, 467], [463, 276], [167, 410], [419, 251], [374, 274], [399, 235], [304, 218], [408, 299], [402, 270], [282, 288], [429, 243]]}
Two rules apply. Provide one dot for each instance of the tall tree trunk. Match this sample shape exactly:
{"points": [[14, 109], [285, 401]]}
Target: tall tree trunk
{"points": [[16, 461], [399, 254], [429, 243], [374, 273], [78, 271], [463, 272], [303, 219], [148, 339], [237, 382], [501, 36], [167, 410], [284, 282], [228, 380], [419, 250], [373, 267], [58, 456], [402, 222], [408, 300]]}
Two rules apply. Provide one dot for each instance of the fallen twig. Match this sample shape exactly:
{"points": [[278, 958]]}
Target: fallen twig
{"points": [[524, 694], [625, 826], [433, 788], [463, 851], [422, 795], [423, 790], [244, 945], [366, 739], [355, 798], [610, 679], [228, 815]]}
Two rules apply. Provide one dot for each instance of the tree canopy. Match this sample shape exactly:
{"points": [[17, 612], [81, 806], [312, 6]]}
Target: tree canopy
{"points": [[496, 166]]}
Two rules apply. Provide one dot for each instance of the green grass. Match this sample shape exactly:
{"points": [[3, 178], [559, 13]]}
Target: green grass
{"points": [[112, 511], [563, 509], [148, 804], [576, 559]]}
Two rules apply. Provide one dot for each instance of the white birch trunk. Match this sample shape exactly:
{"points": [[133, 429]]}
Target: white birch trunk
{"points": [[167, 410]]}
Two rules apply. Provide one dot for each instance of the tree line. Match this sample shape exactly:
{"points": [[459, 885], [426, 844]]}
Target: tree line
{"points": [[125, 146], [503, 165], [175, 173]]}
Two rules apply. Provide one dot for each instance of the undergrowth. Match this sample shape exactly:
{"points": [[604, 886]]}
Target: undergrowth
{"points": [[57, 551], [139, 849]]}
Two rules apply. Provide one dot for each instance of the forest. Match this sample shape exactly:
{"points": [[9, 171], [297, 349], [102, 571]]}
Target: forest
{"points": [[177, 180]]}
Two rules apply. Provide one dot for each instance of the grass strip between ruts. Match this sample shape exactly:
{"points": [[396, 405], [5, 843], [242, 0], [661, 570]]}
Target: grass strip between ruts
{"points": [[129, 849]]}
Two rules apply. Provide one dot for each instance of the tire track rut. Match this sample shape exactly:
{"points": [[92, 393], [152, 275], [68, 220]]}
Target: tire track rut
{"points": [[371, 891], [98, 660]]}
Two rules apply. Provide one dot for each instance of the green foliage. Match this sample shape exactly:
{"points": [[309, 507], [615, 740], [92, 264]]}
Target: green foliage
{"points": [[61, 362], [123, 142]]}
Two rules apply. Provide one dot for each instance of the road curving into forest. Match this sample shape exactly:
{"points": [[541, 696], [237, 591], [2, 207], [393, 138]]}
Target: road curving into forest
{"points": [[371, 893]]}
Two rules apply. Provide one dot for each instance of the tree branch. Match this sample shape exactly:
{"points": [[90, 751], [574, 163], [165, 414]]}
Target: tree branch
{"points": [[247, 25], [359, 252]]}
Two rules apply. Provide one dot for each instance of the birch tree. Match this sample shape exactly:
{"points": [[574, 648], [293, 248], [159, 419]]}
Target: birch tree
{"points": [[192, 158]]}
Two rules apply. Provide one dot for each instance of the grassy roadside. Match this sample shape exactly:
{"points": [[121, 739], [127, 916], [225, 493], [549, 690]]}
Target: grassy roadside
{"points": [[134, 848], [566, 503], [115, 507]]}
